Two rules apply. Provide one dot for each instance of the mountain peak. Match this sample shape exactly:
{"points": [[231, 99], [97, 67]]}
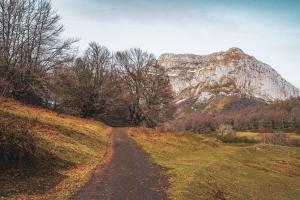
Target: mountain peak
{"points": [[227, 73], [235, 50]]}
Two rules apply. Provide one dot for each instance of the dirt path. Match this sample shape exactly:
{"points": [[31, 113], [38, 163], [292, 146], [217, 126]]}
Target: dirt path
{"points": [[127, 174]]}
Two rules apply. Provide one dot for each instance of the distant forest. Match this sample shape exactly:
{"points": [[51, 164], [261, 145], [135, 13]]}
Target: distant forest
{"points": [[256, 116]]}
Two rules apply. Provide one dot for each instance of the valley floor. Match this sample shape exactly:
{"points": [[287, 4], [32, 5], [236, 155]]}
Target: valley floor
{"points": [[200, 167], [140, 163]]}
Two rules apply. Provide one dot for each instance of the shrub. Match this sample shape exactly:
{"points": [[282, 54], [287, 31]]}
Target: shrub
{"points": [[277, 138], [295, 142], [227, 134], [232, 138], [225, 129]]}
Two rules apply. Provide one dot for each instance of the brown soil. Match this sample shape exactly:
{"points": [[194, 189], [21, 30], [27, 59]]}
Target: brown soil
{"points": [[127, 174]]}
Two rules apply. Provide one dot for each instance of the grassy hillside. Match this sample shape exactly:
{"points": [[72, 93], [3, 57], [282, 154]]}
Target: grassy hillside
{"points": [[203, 168], [66, 150]]}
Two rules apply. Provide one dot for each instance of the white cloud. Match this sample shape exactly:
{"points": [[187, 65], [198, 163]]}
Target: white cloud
{"points": [[190, 30]]}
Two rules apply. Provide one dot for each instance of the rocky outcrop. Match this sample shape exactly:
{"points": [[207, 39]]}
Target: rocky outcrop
{"points": [[224, 73]]}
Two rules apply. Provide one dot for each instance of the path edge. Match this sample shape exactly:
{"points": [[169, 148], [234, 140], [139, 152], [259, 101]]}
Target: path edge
{"points": [[106, 158]]}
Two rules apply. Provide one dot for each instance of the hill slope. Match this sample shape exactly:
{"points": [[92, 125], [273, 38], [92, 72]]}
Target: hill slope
{"points": [[229, 73], [66, 151]]}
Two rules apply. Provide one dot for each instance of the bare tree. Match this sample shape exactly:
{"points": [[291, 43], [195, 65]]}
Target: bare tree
{"points": [[133, 64], [147, 86], [30, 47], [158, 96], [85, 87]]}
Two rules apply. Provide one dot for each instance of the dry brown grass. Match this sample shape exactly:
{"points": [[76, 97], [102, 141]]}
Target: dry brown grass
{"points": [[78, 144]]}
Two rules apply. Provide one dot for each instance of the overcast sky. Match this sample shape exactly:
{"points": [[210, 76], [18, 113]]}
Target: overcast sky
{"points": [[266, 29]]}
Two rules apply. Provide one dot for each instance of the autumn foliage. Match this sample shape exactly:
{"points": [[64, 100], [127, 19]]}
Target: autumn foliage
{"points": [[261, 117]]}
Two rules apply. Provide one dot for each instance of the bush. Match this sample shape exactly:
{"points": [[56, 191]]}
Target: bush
{"points": [[17, 144], [232, 138], [295, 142], [225, 129], [277, 138]]}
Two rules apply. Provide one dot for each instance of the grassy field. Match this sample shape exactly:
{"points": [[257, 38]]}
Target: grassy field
{"points": [[73, 147], [258, 137], [203, 168]]}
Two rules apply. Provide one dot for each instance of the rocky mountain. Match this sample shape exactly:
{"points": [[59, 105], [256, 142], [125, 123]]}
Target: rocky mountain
{"points": [[230, 73]]}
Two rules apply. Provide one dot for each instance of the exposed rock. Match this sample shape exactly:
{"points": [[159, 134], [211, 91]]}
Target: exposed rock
{"points": [[227, 73]]}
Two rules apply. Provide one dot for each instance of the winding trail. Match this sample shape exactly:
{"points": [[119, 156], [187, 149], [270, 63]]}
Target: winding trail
{"points": [[126, 174]]}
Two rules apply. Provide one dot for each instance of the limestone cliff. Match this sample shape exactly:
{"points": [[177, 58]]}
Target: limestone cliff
{"points": [[224, 74]]}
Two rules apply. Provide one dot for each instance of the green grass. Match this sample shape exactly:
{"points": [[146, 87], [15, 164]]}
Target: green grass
{"points": [[293, 138], [203, 168], [71, 149]]}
